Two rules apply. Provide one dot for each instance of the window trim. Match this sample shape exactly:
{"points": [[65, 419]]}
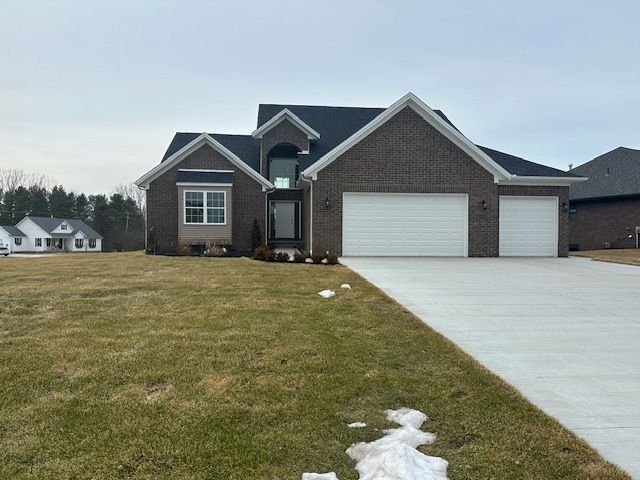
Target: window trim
{"points": [[296, 173], [93, 243], [205, 207], [17, 241], [63, 226], [38, 242], [79, 240]]}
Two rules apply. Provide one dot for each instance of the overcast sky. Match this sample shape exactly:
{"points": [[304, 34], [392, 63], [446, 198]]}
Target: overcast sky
{"points": [[92, 92]]}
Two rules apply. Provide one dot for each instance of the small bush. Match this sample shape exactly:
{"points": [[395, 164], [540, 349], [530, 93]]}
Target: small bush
{"points": [[269, 255], [260, 252], [215, 251], [184, 249], [299, 257], [332, 259], [317, 258], [282, 257]]}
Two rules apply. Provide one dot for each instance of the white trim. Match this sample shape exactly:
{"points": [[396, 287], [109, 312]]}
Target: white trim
{"points": [[196, 184], [204, 207], [410, 100], [534, 180], [464, 195], [556, 223], [280, 117], [191, 147]]}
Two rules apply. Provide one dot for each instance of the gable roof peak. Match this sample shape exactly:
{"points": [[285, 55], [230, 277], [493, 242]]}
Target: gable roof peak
{"points": [[286, 114]]}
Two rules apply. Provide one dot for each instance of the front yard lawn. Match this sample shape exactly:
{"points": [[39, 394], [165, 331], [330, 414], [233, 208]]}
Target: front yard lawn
{"points": [[630, 256], [133, 366]]}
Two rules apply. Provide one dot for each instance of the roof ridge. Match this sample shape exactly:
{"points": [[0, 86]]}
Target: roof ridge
{"points": [[317, 106]]}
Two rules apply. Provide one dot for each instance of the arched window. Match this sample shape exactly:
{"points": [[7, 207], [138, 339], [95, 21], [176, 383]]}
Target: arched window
{"points": [[283, 165]]}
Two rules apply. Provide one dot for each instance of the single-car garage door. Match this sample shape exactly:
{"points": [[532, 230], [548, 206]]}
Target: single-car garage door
{"points": [[398, 224], [528, 226]]}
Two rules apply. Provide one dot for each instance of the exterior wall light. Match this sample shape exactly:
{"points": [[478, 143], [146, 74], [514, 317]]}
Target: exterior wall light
{"points": [[327, 203], [483, 204], [565, 207]]}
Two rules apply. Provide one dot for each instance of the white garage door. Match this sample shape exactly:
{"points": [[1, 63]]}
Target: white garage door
{"points": [[528, 226], [395, 224]]}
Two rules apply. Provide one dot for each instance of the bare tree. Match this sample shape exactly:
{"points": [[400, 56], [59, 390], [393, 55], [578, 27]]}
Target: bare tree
{"points": [[12, 178], [130, 190]]}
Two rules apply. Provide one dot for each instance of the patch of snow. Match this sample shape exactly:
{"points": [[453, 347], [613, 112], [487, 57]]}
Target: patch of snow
{"points": [[406, 416], [394, 456], [327, 293], [357, 425], [346, 285], [319, 476]]}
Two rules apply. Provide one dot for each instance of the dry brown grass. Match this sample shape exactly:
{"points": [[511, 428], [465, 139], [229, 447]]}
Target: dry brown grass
{"points": [[629, 256], [131, 366]]}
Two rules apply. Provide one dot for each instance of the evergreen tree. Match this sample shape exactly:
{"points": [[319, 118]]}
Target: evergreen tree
{"points": [[82, 208], [21, 203], [39, 202], [60, 204]]}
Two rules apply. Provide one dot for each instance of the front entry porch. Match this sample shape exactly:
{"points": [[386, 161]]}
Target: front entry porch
{"points": [[285, 223]]}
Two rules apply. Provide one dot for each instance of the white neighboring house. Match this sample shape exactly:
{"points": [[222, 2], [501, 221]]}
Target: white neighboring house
{"points": [[49, 234], [13, 238]]}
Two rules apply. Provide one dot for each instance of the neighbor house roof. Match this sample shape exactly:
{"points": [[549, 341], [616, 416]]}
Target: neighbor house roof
{"points": [[49, 224], [334, 125], [12, 231], [613, 174]]}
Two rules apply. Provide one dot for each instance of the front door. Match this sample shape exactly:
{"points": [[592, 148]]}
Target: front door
{"points": [[285, 224]]}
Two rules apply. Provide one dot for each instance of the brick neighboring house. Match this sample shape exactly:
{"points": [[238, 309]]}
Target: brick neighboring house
{"points": [[605, 210], [400, 180]]}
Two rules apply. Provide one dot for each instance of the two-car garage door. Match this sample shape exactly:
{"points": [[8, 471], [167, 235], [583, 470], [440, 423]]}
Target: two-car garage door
{"points": [[399, 224], [395, 224]]}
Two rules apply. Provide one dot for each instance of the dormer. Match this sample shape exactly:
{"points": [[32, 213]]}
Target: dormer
{"points": [[285, 131], [64, 227]]}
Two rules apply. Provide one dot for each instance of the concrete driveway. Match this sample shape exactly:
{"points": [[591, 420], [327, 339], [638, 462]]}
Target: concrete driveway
{"points": [[565, 332]]}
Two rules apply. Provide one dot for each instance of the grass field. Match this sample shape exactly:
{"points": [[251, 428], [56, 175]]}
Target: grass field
{"points": [[133, 366], [630, 256]]}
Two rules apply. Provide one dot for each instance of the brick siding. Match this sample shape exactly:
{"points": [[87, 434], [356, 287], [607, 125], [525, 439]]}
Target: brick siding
{"points": [[248, 201], [408, 155], [284, 132], [605, 222]]}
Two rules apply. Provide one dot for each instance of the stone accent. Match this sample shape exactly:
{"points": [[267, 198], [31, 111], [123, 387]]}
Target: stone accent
{"points": [[408, 155], [605, 223], [248, 202]]}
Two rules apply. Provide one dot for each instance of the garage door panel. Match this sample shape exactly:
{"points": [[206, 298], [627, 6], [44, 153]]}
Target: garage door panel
{"points": [[528, 226], [404, 224]]}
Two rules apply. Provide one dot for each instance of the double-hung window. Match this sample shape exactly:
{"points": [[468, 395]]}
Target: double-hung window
{"points": [[17, 241], [79, 242], [38, 242], [207, 208], [92, 243]]}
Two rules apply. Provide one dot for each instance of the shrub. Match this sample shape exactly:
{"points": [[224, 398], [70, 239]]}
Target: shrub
{"points": [[317, 258], [299, 257], [282, 257], [264, 253], [184, 249], [332, 259], [256, 235], [215, 251]]}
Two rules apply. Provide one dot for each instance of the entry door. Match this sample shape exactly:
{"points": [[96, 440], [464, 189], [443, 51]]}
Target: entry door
{"points": [[285, 219]]}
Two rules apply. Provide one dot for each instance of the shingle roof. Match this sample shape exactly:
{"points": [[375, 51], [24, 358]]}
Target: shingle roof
{"points": [[612, 174], [199, 176], [13, 231], [49, 224], [335, 125], [244, 146]]}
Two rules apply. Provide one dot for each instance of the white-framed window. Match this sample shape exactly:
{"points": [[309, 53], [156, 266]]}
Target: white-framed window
{"points": [[205, 208], [92, 243], [17, 241], [283, 172], [38, 242], [48, 240], [63, 226], [79, 242]]}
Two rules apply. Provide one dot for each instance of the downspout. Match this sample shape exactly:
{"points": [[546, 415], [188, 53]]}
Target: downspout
{"points": [[146, 226], [307, 179], [267, 191]]}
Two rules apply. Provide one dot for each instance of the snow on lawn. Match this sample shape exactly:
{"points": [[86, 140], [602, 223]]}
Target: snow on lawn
{"points": [[327, 293], [357, 425], [395, 456]]}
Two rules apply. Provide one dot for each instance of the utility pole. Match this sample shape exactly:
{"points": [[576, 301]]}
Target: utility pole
{"points": [[127, 215]]}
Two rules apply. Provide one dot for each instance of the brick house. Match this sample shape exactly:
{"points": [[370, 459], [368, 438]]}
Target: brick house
{"points": [[400, 180], [605, 210]]}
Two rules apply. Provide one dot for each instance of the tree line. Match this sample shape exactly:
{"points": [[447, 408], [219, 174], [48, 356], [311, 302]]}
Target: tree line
{"points": [[118, 217]]}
